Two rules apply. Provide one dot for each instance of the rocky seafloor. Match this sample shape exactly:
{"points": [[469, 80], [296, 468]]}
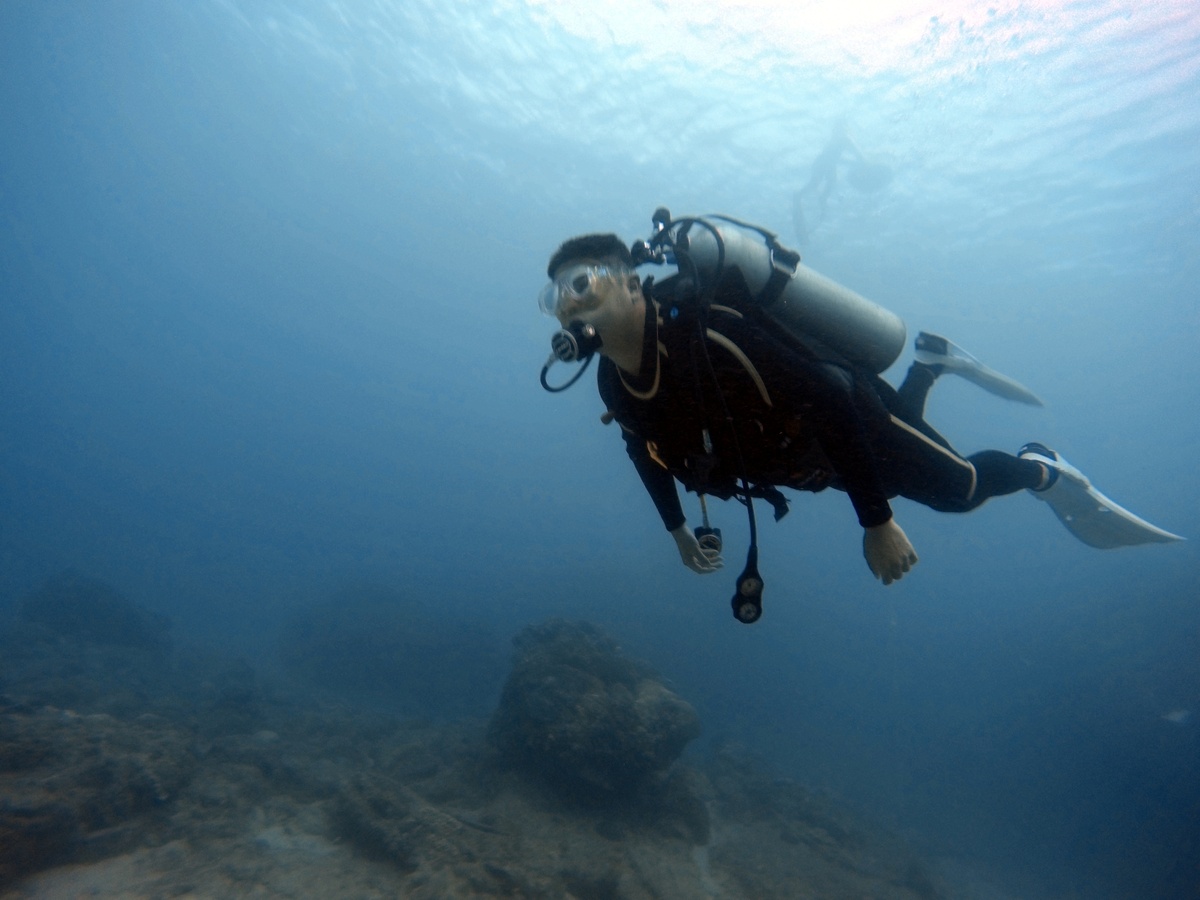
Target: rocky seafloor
{"points": [[132, 767]]}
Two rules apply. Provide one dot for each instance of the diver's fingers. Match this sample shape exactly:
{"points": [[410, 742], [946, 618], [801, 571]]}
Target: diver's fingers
{"points": [[904, 564]]}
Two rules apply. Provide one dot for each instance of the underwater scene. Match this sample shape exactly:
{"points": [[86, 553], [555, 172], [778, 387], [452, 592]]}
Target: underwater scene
{"points": [[309, 589]]}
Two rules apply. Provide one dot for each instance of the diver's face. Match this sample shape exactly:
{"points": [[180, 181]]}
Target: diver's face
{"points": [[595, 291]]}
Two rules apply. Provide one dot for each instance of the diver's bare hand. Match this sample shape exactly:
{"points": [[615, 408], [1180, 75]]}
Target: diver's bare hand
{"points": [[693, 555], [888, 552]]}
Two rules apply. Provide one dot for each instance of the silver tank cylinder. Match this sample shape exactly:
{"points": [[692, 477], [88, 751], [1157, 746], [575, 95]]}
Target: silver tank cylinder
{"points": [[810, 305]]}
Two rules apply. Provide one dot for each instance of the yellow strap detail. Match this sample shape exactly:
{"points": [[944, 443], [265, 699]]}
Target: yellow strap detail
{"points": [[741, 357], [643, 395]]}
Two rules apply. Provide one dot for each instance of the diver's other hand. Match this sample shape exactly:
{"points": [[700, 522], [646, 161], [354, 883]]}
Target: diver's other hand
{"points": [[888, 551], [693, 556]]}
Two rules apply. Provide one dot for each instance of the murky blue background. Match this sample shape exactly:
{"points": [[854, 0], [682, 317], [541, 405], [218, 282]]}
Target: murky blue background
{"points": [[268, 327]]}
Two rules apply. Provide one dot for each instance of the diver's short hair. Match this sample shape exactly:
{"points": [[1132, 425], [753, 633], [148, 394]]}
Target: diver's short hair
{"points": [[590, 246]]}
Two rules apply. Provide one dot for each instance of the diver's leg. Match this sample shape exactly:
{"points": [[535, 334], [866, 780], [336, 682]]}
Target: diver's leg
{"points": [[908, 403], [929, 472], [915, 390], [1002, 473]]}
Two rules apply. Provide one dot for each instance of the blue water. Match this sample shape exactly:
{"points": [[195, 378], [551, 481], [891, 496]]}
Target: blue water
{"points": [[268, 326]]}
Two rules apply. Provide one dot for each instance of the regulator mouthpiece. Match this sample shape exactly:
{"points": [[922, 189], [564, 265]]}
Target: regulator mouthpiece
{"points": [[577, 340]]}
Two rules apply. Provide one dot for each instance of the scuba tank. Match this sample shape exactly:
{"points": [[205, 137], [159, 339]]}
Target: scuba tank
{"points": [[806, 303]]}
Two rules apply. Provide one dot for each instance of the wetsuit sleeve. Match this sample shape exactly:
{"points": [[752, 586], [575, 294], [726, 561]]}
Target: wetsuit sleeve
{"points": [[659, 483]]}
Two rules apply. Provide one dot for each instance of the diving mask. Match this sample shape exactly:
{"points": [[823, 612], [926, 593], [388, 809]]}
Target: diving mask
{"points": [[576, 284]]}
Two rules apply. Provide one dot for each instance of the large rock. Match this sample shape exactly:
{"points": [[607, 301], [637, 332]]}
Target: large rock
{"points": [[596, 724]]}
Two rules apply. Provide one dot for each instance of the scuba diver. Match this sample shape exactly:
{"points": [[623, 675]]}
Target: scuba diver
{"points": [[745, 372], [866, 175]]}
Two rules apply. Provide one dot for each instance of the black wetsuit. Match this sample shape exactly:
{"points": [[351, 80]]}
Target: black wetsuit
{"points": [[781, 413]]}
